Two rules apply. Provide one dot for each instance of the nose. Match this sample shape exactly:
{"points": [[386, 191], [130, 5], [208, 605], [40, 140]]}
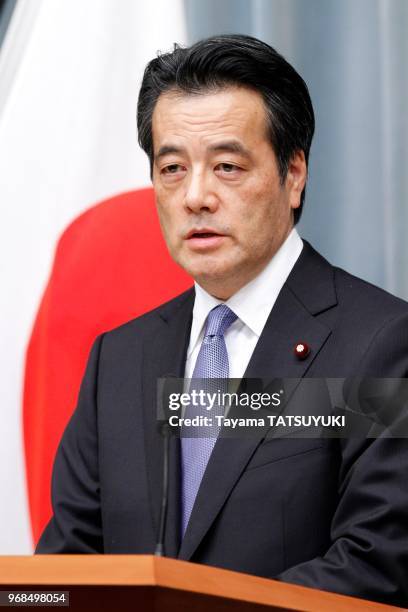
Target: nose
{"points": [[200, 195]]}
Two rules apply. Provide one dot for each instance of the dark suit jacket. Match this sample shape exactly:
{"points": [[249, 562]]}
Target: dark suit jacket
{"points": [[325, 513]]}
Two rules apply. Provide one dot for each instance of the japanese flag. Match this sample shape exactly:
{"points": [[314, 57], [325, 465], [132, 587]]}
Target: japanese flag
{"points": [[81, 249]]}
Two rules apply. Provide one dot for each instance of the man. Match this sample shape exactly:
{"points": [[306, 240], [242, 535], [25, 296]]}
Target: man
{"points": [[227, 125]]}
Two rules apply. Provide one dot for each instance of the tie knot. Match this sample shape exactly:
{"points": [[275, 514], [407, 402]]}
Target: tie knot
{"points": [[219, 320]]}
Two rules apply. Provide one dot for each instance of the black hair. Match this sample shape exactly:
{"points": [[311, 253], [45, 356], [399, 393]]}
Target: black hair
{"points": [[234, 60]]}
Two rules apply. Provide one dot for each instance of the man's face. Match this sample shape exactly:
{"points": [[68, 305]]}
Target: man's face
{"points": [[221, 205]]}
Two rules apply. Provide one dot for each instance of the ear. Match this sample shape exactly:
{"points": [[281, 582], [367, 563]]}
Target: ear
{"points": [[296, 178]]}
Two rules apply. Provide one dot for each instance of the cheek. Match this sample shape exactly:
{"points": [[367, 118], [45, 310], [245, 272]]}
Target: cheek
{"points": [[165, 220], [256, 209], [165, 205]]}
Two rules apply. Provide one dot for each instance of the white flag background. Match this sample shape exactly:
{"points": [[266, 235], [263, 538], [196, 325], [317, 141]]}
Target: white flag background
{"points": [[69, 77]]}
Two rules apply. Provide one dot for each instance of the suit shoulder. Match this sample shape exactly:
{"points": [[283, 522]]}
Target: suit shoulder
{"points": [[362, 296], [148, 319], [340, 297]]}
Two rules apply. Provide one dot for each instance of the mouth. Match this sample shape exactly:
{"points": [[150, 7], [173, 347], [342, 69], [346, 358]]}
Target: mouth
{"points": [[204, 232], [204, 238]]}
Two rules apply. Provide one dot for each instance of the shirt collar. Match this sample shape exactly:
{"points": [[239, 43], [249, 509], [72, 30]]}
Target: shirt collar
{"points": [[253, 302]]}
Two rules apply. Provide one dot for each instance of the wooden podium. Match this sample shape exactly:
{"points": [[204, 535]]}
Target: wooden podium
{"points": [[144, 583]]}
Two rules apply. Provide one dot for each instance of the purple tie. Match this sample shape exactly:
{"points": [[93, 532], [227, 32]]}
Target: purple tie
{"points": [[212, 362]]}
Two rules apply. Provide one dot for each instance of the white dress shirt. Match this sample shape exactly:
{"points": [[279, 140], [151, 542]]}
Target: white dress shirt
{"points": [[252, 304]]}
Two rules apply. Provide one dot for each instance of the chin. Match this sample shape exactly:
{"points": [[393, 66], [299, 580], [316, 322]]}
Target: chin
{"points": [[202, 267], [211, 277]]}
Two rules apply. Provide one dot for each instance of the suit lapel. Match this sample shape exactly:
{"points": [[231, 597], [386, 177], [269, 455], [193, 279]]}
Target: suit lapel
{"points": [[292, 320], [164, 354]]}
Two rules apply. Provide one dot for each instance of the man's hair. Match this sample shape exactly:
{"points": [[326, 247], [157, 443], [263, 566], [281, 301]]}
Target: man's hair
{"points": [[234, 60]]}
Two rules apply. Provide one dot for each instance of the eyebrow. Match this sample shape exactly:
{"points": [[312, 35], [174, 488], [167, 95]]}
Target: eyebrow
{"points": [[228, 146], [166, 150]]}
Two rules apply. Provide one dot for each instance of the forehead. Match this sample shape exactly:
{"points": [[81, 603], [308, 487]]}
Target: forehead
{"points": [[201, 118]]}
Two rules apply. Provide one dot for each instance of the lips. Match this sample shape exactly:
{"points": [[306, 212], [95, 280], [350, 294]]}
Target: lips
{"points": [[202, 233], [204, 239]]}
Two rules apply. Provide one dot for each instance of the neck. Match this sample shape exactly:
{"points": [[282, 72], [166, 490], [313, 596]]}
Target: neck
{"points": [[223, 288]]}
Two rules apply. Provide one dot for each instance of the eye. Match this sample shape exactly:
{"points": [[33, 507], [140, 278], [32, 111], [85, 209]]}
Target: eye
{"points": [[172, 169], [227, 168]]}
